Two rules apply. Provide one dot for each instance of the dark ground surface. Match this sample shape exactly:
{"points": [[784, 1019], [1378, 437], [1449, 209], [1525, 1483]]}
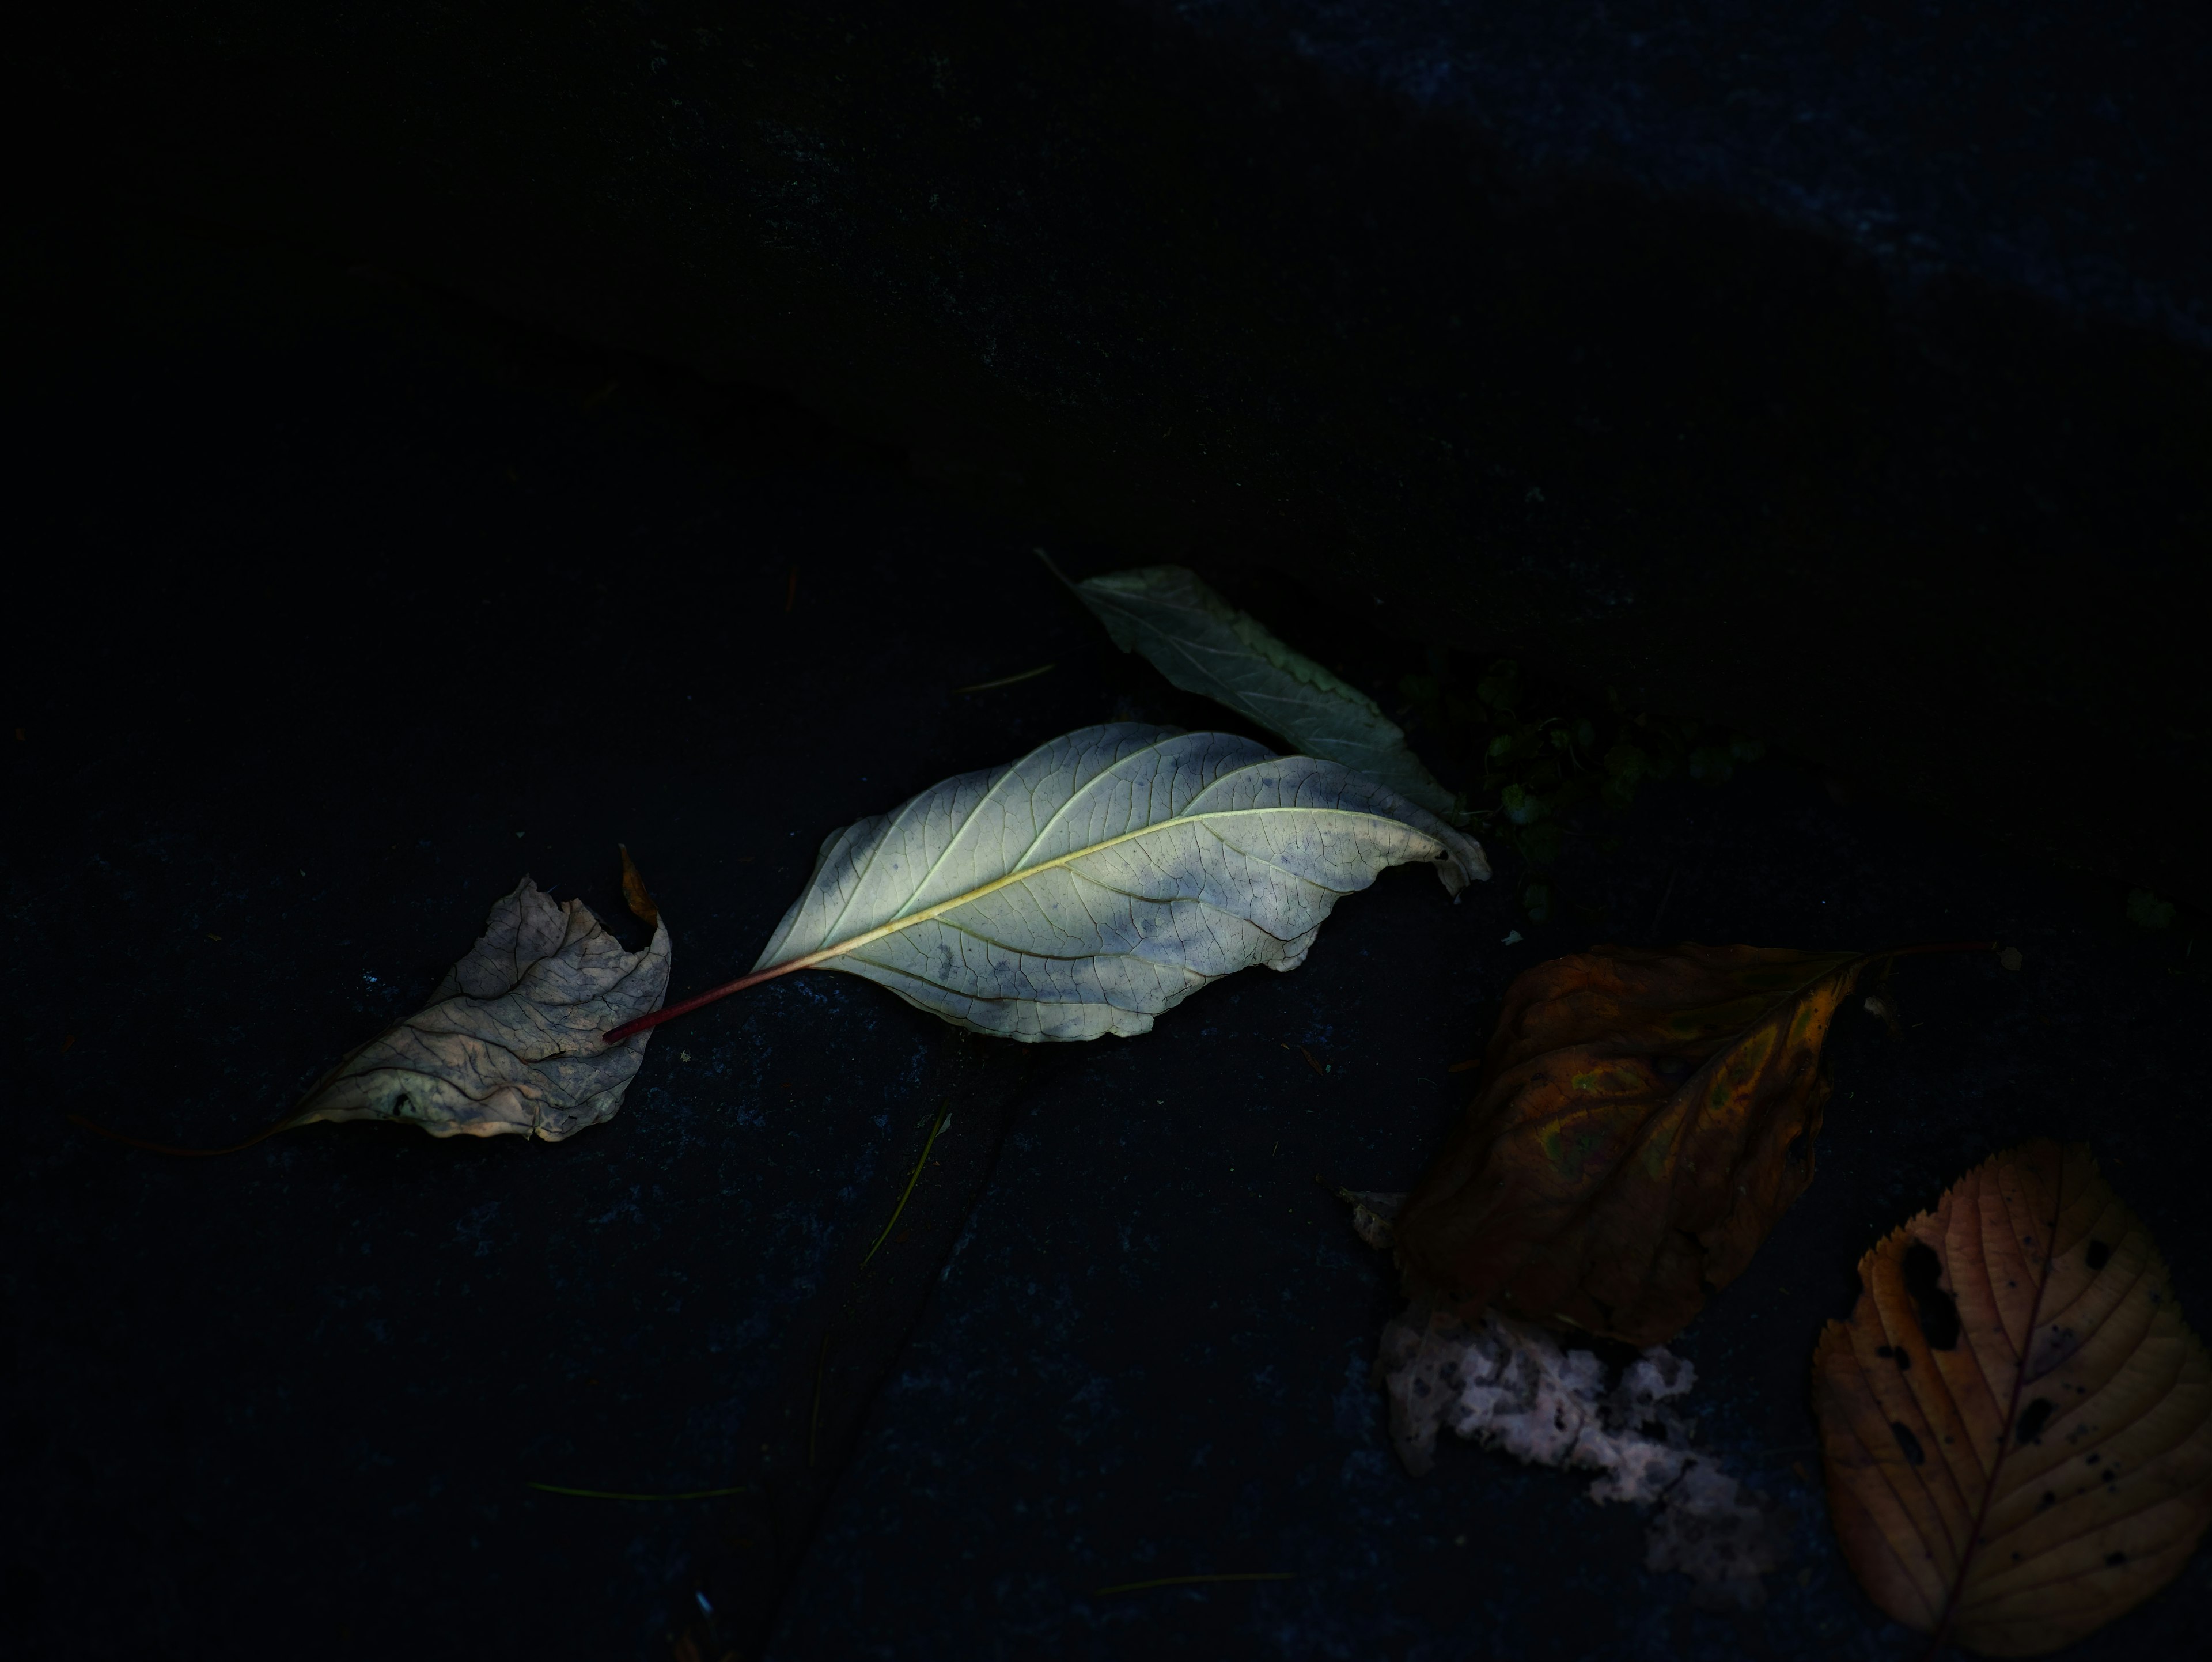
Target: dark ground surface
{"points": [[343, 618], [1838, 370]]}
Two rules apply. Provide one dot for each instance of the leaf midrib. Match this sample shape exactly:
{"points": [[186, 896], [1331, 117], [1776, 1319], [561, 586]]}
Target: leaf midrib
{"points": [[1972, 1550], [930, 913]]}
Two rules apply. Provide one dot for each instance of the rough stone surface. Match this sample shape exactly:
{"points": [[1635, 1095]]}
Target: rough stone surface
{"points": [[2054, 149], [295, 1397]]}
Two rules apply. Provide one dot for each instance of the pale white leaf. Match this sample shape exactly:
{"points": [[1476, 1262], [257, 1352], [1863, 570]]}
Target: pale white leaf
{"points": [[1101, 879]]}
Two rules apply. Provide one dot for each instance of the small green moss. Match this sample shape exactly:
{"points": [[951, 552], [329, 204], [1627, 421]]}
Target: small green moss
{"points": [[2147, 910], [1541, 775]]}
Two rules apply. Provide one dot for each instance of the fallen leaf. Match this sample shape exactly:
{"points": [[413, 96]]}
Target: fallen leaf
{"points": [[1203, 644], [512, 1037], [2015, 1422], [1101, 879], [1641, 1120]]}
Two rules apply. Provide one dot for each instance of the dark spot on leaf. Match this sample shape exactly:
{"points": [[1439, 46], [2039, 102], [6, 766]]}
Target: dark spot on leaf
{"points": [[2099, 1255], [2091, 1459], [2048, 1500], [2116, 1558], [1938, 1311], [1914, 1454], [1896, 1353], [2028, 1429]]}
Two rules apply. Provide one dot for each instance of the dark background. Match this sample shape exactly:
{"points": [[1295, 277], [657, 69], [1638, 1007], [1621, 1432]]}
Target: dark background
{"points": [[1837, 372], [352, 582]]}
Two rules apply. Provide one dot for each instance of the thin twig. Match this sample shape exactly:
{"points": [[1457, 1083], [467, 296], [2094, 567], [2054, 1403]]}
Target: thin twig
{"points": [[1663, 899], [285, 1123], [1008, 680], [1192, 1581], [814, 1419], [912, 1177], [609, 1494]]}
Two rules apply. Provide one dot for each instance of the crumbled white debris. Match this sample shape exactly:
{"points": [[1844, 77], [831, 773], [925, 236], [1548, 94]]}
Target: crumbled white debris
{"points": [[1512, 1386]]}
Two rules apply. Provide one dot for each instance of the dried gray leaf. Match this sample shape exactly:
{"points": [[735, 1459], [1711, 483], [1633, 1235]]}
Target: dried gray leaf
{"points": [[1203, 644], [1102, 879], [1373, 1212], [510, 1040]]}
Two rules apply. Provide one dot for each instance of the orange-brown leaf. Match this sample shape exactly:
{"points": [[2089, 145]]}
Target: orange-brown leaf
{"points": [[1641, 1121], [2015, 1420], [634, 894]]}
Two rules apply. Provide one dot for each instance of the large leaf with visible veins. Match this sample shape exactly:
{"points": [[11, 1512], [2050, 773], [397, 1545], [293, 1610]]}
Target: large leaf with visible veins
{"points": [[2015, 1420], [1205, 645], [1101, 879]]}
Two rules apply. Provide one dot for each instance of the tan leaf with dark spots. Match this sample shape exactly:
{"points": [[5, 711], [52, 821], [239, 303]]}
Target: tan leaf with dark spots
{"points": [[2016, 1422]]}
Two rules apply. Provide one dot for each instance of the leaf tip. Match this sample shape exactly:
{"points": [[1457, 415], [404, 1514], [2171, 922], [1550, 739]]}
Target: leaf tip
{"points": [[635, 893]]}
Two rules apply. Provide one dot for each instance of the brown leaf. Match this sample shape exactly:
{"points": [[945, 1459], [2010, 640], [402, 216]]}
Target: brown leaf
{"points": [[1641, 1121], [511, 1039], [2016, 1422], [635, 895]]}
